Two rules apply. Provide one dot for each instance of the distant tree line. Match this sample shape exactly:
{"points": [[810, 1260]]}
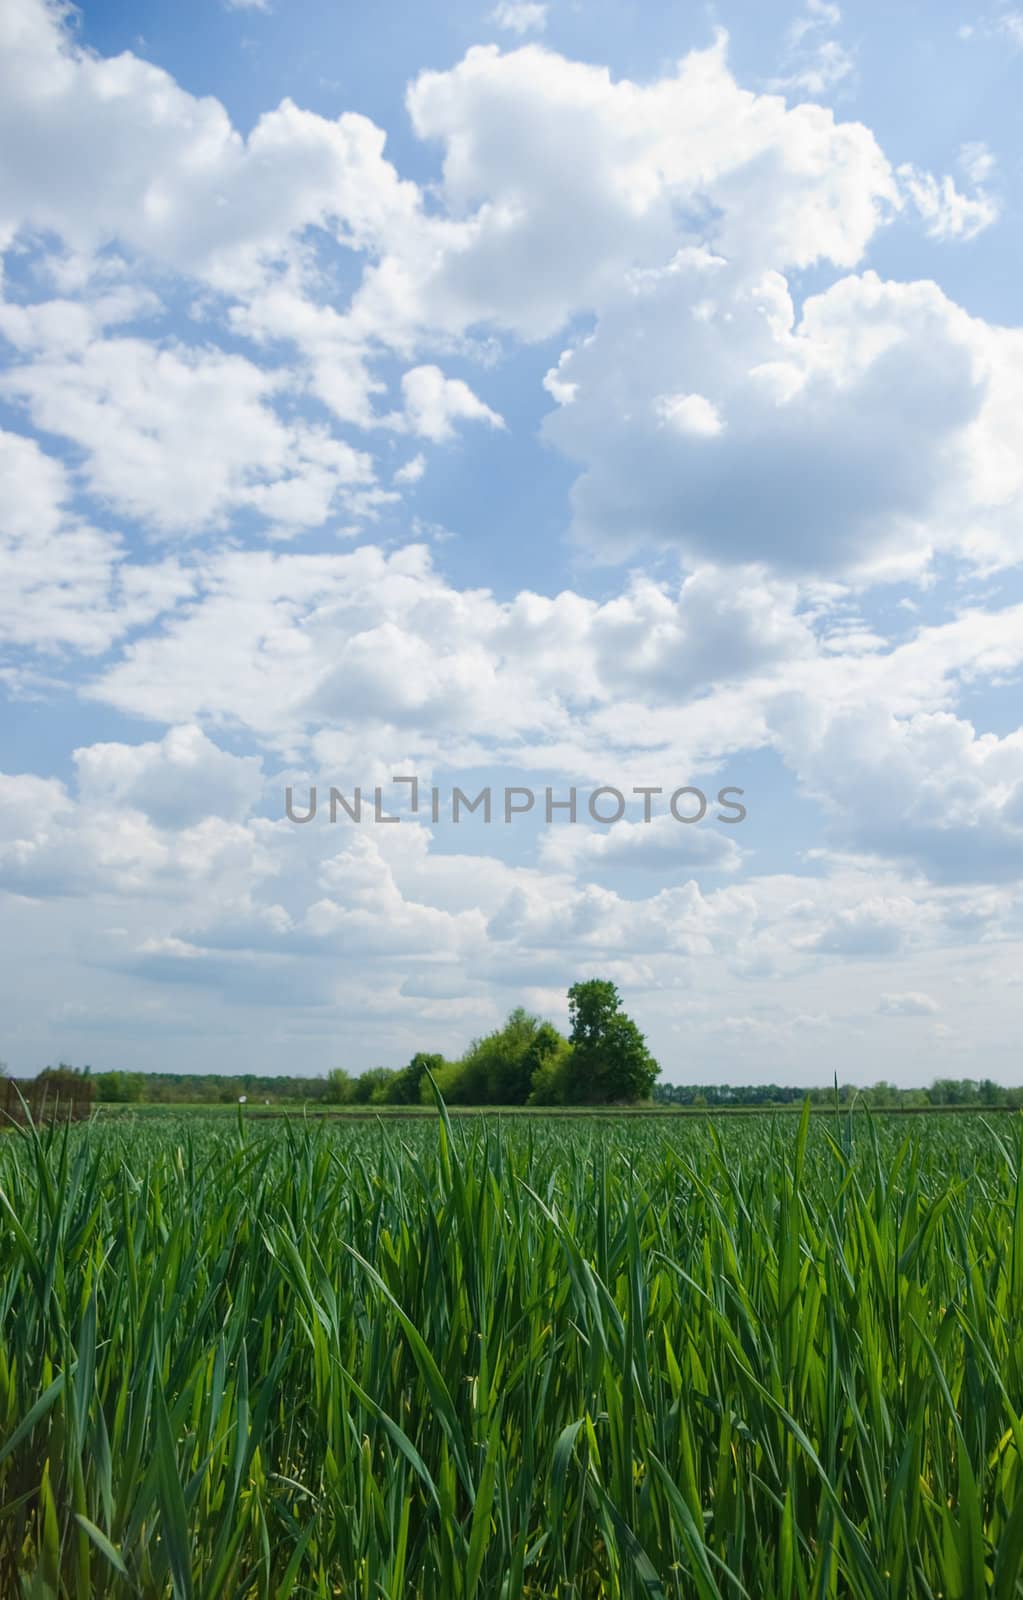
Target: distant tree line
{"points": [[881, 1095], [604, 1061]]}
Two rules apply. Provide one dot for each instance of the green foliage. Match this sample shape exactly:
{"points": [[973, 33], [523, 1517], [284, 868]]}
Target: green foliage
{"points": [[120, 1088], [882, 1095], [175, 1088], [610, 1061], [446, 1077], [411, 1080], [499, 1069], [552, 1080], [457, 1361], [340, 1087], [372, 1087]]}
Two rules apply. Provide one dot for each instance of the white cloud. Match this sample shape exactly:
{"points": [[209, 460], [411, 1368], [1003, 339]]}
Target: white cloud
{"points": [[180, 438], [175, 781], [411, 471], [670, 210], [875, 428], [63, 582], [434, 403], [662, 845], [948, 213], [293, 644], [549, 160], [113, 148], [372, 664], [689, 413], [241, 911], [520, 16], [50, 846], [1004, 23], [815, 64], [876, 927], [907, 1005], [977, 161], [926, 789]]}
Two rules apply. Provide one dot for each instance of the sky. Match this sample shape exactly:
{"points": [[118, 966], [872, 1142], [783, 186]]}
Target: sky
{"points": [[545, 397]]}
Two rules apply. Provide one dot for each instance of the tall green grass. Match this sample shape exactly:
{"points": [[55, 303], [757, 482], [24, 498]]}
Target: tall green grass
{"points": [[561, 1360]]}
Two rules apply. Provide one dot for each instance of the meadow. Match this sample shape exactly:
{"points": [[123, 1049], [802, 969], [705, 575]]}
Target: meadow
{"points": [[763, 1357]]}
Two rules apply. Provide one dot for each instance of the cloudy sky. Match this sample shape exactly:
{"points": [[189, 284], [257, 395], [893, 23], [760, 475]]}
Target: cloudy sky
{"points": [[601, 393]]}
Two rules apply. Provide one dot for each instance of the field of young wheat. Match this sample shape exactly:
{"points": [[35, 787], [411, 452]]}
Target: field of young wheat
{"points": [[774, 1358]]}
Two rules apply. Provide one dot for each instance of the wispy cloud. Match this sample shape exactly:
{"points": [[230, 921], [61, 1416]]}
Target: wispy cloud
{"points": [[947, 212], [1003, 24], [813, 62], [520, 16]]}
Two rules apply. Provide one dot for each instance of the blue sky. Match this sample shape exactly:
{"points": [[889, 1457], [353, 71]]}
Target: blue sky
{"points": [[558, 395]]}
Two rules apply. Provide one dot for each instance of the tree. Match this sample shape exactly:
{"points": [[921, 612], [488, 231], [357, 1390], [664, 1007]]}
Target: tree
{"points": [[340, 1087], [120, 1088], [408, 1085], [551, 1084], [371, 1088], [610, 1060], [499, 1069], [882, 1094], [450, 1081]]}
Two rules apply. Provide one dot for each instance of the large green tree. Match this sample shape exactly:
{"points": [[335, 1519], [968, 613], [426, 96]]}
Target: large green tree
{"points": [[408, 1084], [610, 1061]]}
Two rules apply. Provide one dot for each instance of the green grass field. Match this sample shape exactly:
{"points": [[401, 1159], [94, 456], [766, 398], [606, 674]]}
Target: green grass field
{"points": [[318, 1108], [498, 1358]]}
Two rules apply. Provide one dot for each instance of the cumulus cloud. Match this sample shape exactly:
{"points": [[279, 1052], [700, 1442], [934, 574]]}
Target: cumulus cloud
{"points": [[662, 845], [551, 160], [434, 403], [175, 781], [878, 927], [671, 211], [689, 413], [926, 788], [871, 429], [114, 148], [53, 847], [290, 644], [179, 439]]}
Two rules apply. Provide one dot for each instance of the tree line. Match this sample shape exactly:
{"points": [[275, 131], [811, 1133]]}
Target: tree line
{"points": [[603, 1061], [879, 1096]]}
